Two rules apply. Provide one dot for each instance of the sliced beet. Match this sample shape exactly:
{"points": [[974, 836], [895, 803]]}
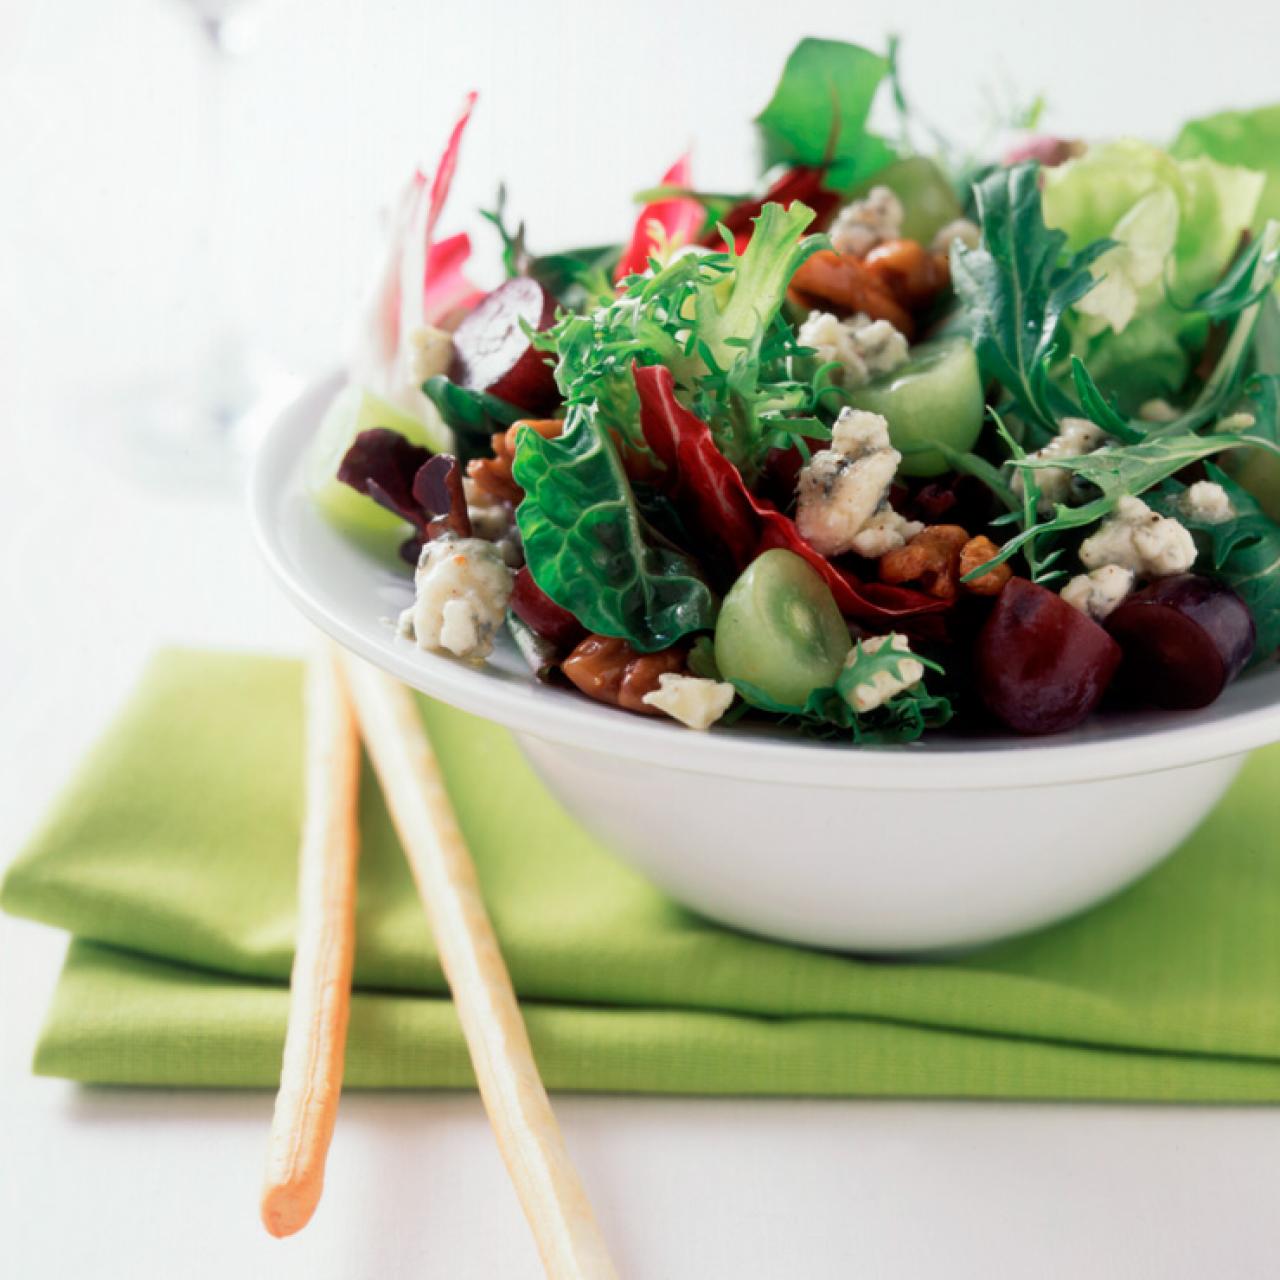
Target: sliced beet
{"points": [[1184, 640], [1041, 666], [493, 353], [540, 613]]}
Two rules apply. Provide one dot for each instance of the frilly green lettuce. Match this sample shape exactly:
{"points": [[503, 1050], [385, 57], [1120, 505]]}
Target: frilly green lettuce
{"points": [[1176, 224]]}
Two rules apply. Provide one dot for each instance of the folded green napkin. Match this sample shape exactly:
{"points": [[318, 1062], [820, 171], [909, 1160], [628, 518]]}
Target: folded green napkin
{"points": [[172, 861]]}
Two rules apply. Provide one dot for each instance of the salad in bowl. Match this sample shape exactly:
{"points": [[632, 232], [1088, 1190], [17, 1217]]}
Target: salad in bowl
{"points": [[898, 444]]}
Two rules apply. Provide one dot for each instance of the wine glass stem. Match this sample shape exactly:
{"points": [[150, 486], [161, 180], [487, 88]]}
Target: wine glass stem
{"points": [[211, 286]]}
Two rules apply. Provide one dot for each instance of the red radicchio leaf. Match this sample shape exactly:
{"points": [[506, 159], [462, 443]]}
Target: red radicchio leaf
{"points": [[540, 613], [705, 486], [422, 489], [680, 217], [437, 489], [804, 183], [381, 464], [711, 495]]}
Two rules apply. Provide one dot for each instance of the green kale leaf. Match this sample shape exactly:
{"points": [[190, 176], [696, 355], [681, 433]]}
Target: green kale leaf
{"points": [[588, 548]]}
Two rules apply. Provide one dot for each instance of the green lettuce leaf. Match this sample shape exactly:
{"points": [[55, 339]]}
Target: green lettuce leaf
{"points": [[818, 112], [1250, 139], [588, 549], [1176, 224]]}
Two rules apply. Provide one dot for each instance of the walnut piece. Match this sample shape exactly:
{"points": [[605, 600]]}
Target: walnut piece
{"points": [[610, 670], [846, 285], [492, 476], [975, 553], [936, 559], [930, 560], [897, 279], [913, 274]]}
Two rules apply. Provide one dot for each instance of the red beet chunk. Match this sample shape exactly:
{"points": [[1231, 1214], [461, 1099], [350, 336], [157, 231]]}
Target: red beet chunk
{"points": [[492, 352], [541, 614], [1041, 666], [1184, 639]]}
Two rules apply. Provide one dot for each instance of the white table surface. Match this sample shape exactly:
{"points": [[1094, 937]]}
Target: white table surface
{"points": [[96, 570]]}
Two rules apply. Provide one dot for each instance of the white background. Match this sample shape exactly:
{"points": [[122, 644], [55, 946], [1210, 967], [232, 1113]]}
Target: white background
{"points": [[103, 142]]}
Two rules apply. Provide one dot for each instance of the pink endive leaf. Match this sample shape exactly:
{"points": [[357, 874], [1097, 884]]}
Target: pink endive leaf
{"points": [[381, 336], [443, 179], [448, 293], [680, 219], [423, 263]]}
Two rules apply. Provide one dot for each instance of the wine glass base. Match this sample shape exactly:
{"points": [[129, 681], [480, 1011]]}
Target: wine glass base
{"points": [[172, 434]]}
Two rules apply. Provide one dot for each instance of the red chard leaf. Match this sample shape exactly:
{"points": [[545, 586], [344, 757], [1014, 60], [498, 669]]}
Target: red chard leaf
{"points": [[711, 496]]}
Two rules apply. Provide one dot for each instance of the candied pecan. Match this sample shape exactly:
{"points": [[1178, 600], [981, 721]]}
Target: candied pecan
{"points": [[930, 559], [843, 285], [610, 670], [909, 271], [976, 552], [493, 475]]}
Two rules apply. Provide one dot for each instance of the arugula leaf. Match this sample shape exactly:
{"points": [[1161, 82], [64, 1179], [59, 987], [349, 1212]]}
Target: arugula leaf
{"points": [[971, 464], [1097, 408], [515, 256], [818, 113], [572, 275], [1263, 394], [1224, 383], [1016, 295], [578, 277], [1245, 552], [1118, 470], [1016, 287], [1038, 569], [1266, 337], [828, 713], [586, 546], [1237, 288]]}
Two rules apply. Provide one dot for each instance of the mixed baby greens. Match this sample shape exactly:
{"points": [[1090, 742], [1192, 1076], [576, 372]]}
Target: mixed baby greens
{"points": [[898, 440]]}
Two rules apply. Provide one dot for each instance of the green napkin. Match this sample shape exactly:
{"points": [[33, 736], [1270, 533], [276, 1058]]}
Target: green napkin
{"points": [[172, 861]]}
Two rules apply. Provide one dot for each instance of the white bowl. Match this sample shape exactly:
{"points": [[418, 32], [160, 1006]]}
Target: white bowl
{"points": [[935, 845]]}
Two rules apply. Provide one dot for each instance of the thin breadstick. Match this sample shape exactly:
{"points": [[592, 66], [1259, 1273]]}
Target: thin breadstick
{"points": [[320, 988], [553, 1199]]}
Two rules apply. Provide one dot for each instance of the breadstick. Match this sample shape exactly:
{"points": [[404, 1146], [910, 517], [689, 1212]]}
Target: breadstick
{"points": [[320, 988], [553, 1199]]}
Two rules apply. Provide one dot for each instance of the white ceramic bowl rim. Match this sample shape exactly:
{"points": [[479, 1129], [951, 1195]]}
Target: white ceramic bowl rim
{"points": [[1247, 717]]}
